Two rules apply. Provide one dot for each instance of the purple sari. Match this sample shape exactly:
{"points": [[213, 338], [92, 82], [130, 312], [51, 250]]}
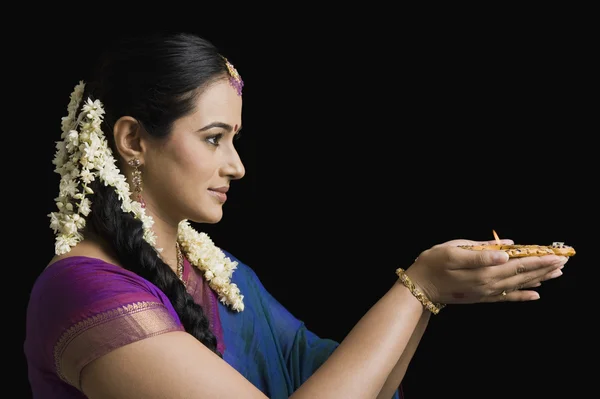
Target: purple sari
{"points": [[82, 308]]}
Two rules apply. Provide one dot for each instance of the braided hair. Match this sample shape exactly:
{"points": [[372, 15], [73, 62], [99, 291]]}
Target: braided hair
{"points": [[153, 79]]}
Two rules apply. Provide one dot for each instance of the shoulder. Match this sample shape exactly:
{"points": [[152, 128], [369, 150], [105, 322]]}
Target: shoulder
{"points": [[76, 287], [251, 286], [76, 298], [78, 280], [243, 273]]}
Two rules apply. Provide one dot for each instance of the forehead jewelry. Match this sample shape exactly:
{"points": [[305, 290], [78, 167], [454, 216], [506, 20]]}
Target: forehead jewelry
{"points": [[234, 77]]}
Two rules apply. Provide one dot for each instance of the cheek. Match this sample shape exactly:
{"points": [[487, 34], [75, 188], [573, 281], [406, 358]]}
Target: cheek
{"points": [[192, 163], [199, 170], [186, 159]]}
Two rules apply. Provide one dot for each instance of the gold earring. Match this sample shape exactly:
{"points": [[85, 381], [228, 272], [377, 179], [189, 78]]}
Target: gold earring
{"points": [[136, 179]]}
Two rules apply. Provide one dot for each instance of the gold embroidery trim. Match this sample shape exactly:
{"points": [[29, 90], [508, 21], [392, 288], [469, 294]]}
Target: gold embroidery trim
{"points": [[97, 335]]}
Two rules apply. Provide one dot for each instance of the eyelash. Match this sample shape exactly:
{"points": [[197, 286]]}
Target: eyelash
{"points": [[216, 138]]}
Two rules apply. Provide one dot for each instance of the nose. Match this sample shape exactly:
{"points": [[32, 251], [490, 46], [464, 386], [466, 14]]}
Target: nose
{"points": [[234, 167]]}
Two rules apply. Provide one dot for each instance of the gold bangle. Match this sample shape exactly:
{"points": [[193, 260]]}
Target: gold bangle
{"points": [[432, 307]]}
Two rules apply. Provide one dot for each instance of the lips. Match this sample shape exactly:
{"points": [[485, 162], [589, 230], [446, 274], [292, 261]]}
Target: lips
{"points": [[219, 193]]}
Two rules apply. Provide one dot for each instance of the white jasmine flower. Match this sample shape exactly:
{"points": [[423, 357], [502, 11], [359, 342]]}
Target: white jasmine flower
{"points": [[84, 156]]}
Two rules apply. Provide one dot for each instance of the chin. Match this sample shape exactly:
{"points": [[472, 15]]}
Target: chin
{"points": [[208, 217], [214, 221]]}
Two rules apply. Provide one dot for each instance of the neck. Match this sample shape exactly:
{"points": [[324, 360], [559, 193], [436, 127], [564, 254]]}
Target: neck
{"points": [[166, 238]]}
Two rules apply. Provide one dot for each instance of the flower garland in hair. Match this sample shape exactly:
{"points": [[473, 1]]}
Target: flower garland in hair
{"points": [[83, 156]]}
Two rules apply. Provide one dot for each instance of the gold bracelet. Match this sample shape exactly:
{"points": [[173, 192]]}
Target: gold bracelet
{"points": [[432, 307]]}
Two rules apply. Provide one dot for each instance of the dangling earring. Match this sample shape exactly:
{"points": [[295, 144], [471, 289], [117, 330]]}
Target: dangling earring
{"points": [[136, 179]]}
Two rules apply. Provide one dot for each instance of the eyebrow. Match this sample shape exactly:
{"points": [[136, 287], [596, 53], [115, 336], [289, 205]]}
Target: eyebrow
{"points": [[222, 125]]}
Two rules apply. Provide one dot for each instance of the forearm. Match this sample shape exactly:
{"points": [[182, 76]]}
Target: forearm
{"points": [[361, 364], [395, 378]]}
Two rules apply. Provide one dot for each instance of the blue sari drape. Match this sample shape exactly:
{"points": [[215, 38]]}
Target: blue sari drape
{"points": [[266, 343]]}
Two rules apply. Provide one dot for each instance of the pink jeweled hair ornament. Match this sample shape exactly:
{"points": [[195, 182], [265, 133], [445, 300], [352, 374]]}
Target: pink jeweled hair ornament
{"points": [[234, 77]]}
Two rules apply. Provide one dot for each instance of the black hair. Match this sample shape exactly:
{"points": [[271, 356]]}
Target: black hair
{"points": [[154, 79]]}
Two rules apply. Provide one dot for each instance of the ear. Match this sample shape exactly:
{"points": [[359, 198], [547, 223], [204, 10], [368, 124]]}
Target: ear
{"points": [[128, 138]]}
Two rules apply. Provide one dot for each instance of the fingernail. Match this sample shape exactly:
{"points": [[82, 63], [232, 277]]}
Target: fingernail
{"points": [[556, 273], [558, 262], [535, 296], [500, 257]]}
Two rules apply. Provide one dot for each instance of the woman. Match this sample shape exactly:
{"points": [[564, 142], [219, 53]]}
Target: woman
{"points": [[137, 304]]}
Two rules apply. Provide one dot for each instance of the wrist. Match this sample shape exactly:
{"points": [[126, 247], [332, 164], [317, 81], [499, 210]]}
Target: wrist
{"points": [[418, 292], [421, 282]]}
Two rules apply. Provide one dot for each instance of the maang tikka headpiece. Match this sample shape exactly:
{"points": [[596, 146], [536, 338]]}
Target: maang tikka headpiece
{"points": [[234, 77]]}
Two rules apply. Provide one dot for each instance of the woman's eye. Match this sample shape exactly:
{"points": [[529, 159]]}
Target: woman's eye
{"points": [[214, 140]]}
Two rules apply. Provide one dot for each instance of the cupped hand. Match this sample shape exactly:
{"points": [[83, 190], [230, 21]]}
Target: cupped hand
{"points": [[449, 274]]}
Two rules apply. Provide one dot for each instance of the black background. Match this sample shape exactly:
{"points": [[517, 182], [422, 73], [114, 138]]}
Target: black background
{"points": [[367, 139]]}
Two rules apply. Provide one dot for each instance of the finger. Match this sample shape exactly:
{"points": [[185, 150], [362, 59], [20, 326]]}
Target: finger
{"points": [[527, 279], [527, 268], [466, 259], [553, 274], [533, 284], [513, 296], [471, 242], [491, 242]]}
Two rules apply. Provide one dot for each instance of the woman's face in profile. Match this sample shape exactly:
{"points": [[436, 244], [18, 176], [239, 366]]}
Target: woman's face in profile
{"points": [[187, 176]]}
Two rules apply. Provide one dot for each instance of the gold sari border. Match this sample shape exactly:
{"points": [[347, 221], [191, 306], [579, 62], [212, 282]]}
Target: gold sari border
{"points": [[98, 335]]}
